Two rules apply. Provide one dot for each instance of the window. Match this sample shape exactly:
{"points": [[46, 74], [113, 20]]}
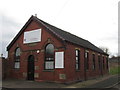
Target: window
{"points": [[77, 65], [49, 57], [99, 62], [93, 61], [87, 60], [107, 62], [17, 58], [103, 63]]}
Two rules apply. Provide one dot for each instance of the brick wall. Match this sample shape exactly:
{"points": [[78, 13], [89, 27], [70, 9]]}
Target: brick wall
{"points": [[4, 68], [72, 73], [67, 74]]}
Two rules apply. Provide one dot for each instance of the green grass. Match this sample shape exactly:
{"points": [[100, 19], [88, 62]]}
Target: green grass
{"points": [[115, 70]]}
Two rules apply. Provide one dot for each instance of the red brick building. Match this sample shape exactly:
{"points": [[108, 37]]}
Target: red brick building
{"points": [[43, 52]]}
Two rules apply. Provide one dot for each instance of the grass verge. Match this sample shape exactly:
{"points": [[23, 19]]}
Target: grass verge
{"points": [[114, 70]]}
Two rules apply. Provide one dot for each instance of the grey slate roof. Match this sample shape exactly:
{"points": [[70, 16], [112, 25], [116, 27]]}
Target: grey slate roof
{"points": [[73, 38], [66, 36]]}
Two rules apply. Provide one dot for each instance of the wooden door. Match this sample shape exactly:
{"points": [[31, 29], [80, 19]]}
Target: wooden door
{"points": [[31, 67]]}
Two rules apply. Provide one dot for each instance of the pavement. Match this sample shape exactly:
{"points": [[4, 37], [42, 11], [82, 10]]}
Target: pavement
{"points": [[109, 81], [102, 82], [14, 83]]}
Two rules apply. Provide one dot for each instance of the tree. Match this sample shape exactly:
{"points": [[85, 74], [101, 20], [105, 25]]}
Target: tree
{"points": [[1, 55], [105, 49]]}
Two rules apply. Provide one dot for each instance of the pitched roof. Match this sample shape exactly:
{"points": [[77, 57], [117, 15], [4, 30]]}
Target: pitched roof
{"points": [[62, 35]]}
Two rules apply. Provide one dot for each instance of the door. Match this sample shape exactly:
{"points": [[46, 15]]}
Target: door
{"points": [[30, 72]]}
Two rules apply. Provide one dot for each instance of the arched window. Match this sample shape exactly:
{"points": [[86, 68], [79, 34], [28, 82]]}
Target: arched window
{"points": [[49, 56], [17, 58]]}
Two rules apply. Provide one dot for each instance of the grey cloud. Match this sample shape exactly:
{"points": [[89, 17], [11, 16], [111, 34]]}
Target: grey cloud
{"points": [[113, 39], [9, 29]]}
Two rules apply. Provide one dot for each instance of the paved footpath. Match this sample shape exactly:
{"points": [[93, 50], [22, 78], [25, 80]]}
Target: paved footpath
{"points": [[14, 83], [108, 83], [103, 82]]}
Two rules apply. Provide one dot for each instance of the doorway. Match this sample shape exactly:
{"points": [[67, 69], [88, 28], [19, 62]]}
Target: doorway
{"points": [[30, 73]]}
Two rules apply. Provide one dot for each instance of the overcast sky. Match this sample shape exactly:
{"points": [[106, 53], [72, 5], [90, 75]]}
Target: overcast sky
{"points": [[93, 20]]}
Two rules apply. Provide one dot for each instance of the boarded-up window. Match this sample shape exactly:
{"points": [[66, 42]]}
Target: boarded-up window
{"points": [[32, 36], [59, 59]]}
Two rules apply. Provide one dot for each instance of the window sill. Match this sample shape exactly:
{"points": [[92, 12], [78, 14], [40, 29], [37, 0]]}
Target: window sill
{"points": [[48, 70]]}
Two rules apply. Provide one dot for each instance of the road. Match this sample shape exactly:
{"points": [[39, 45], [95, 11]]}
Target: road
{"points": [[108, 83]]}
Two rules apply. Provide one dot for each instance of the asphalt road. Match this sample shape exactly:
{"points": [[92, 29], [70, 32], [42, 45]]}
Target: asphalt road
{"points": [[117, 86], [108, 83]]}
